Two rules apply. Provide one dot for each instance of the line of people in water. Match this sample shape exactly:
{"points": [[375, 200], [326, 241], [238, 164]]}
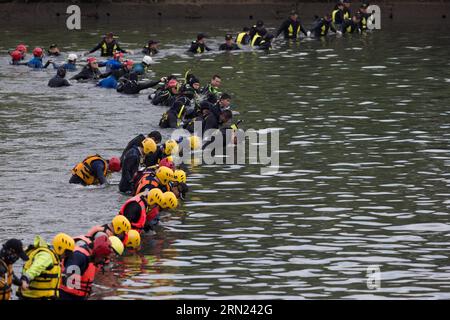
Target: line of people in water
{"points": [[66, 268]]}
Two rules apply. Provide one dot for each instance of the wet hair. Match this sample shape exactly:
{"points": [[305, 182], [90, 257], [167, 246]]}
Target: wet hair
{"points": [[61, 72], [225, 96], [201, 36], [227, 114], [215, 76], [156, 136], [171, 77]]}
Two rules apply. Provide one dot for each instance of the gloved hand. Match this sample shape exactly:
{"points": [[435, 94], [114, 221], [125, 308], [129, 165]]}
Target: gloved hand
{"points": [[308, 34]]}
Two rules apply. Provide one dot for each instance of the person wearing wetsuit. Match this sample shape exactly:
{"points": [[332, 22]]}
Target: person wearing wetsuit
{"points": [[364, 16], [53, 50], [151, 48], [211, 91], [110, 79], [70, 65], [172, 118], [337, 16], [90, 71], [108, 46], [59, 80], [229, 44], [137, 141], [133, 86], [347, 12], [112, 64], [199, 45], [321, 26], [351, 25], [243, 38], [291, 27], [266, 42], [256, 30], [130, 165], [36, 61], [167, 95]]}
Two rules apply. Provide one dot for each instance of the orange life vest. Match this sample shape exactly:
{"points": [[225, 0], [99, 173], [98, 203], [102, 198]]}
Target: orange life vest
{"points": [[80, 286], [147, 180], [84, 170], [153, 213], [139, 225], [104, 228]]}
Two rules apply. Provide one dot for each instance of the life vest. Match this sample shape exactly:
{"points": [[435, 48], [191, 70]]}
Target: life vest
{"points": [[291, 30], [84, 171], [255, 38], [323, 30], [45, 285], [80, 285], [139, 225], [105, 48], [147, 180], [153, 213], [6, 281], [346, 15], [349, 29], [333, 15], [87, 240], [363, 22], [240, 37]]}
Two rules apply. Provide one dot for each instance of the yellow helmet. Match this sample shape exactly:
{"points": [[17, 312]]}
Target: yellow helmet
{"points": [[164, 174], [195, 142], [121, 224], [179, 176], [148, 145], [170, 201], [170, 147], [116, 245], [134, 239], [63, 242], [155, 196]]}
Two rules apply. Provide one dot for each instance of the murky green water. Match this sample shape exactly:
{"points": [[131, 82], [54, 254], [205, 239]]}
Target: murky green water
{"points": [[364, 130]]}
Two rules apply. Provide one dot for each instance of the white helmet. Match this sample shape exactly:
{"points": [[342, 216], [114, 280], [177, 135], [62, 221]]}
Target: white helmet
{"points": [[147, 60], [72, 57]]}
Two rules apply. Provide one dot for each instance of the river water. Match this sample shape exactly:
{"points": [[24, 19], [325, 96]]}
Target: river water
{"points": [[363, 179]]}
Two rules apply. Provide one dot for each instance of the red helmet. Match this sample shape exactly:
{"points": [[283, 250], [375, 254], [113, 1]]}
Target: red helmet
{"points": [[172, 83], [91, 59], [38, 52], [21, 48], [165, 162], [16, 55], [102, 247], [118, 55], [128, 63], [114, 164]]}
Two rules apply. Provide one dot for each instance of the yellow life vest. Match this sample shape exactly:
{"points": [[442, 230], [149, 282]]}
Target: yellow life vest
{"points": [[346, 15], [291, 30], [84, 170], [105, 48], [349, 29], [199, 49], [6, 281], [46, 285], [364, 23], [323, 30], [256, 37], [333, 15], [240, 37]]}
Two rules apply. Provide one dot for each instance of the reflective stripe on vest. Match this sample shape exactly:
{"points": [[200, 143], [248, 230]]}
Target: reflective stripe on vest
{"points": [[291, 30], [83, 282], [323, 30], [139, 226], [333, 15], [240, 37], [346, 15], [257, 36], [181, 112], [46, 284], [84, 171], [105, 48], [6, 281]]}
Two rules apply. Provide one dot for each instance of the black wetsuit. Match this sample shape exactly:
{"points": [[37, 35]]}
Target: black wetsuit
{"points": [[337, 16], [154, 158], [349, 26], [321, 27], [265, 45], [197, 47], [87, 73], [57, 82], [149, 51], [254, 30], [98, 168], [212, 93], [136, 142], [134, 87], [173, 116], [226, 47], [130, 165], [163, 97], [291, 29], [107, 49]]}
